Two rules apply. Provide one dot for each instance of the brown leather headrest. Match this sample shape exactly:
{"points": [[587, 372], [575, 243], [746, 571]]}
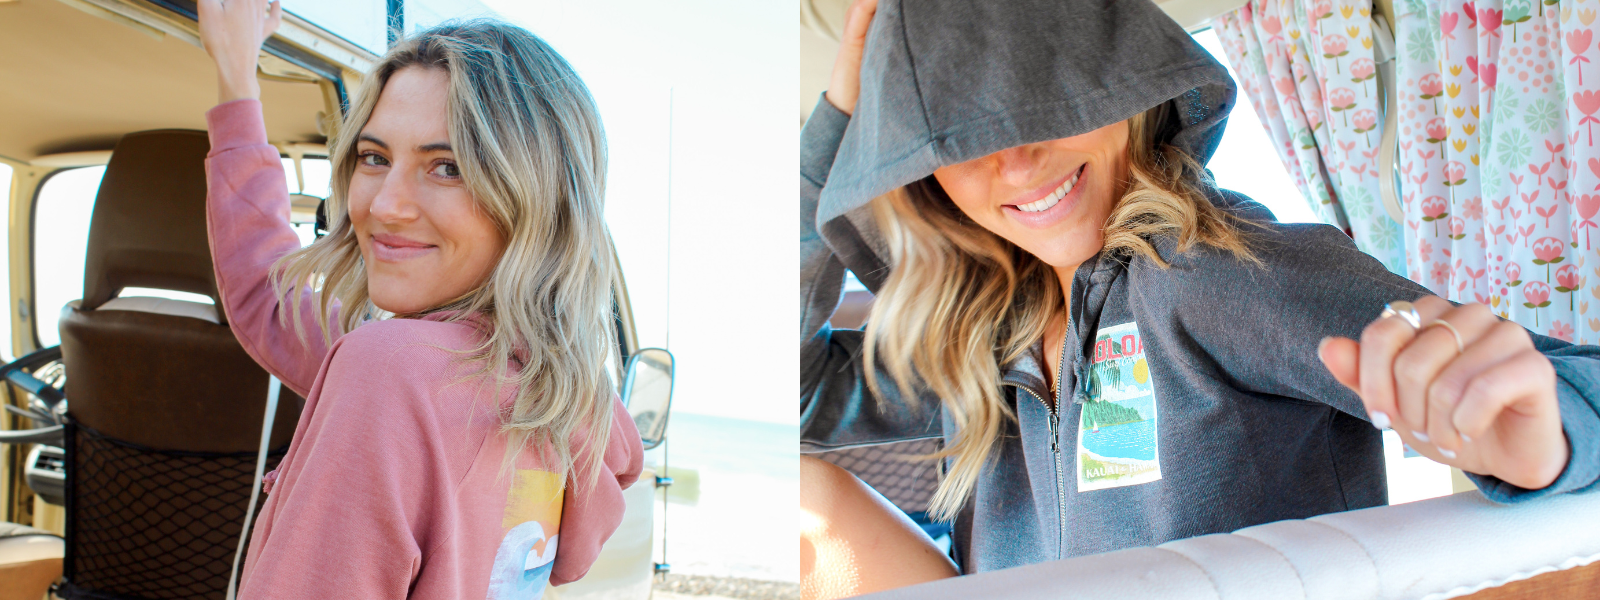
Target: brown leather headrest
{"points": [[149, 224]]}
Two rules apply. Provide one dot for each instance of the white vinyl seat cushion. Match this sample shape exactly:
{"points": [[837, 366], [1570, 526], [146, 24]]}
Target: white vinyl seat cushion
{"points": [[1430, 550], [163, 306], [22, 544]]}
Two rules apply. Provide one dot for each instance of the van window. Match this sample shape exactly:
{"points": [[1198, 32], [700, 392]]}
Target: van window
{"points": [[318, 175], [1245, 161], [61, 240], [361, 22], [60, 244]]}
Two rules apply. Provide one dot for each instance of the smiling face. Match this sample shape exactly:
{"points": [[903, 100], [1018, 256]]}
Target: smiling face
{"points": [[423, 238], [1049, 198]]}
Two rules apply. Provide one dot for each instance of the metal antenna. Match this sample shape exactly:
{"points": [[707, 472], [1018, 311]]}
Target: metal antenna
{"points": [[664, 479]]}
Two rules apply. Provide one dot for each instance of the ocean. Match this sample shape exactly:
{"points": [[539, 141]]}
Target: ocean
{"points": [[733, 510], [1130, 440]]}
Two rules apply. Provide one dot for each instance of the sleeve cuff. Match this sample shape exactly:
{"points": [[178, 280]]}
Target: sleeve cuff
{"points": [[236, 124], [819, 140], [1581, 424]]}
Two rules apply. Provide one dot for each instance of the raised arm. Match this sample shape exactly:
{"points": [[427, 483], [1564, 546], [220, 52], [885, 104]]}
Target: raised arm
{"points": [[247, 218], [247, 203], [1316, 285], [837, 410]]}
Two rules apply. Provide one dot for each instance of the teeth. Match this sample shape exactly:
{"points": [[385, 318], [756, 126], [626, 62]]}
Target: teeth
{"points": [[1048, 201]]}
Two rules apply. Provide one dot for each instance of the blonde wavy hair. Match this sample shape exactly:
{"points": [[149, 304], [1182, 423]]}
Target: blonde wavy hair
{"points": [[528, 141], [961, 301]]}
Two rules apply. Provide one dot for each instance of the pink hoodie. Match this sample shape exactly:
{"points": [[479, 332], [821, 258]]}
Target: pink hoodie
{"points": [[392, 487]]}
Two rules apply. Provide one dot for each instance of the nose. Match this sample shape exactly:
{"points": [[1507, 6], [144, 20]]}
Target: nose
{"points": [[1019, 166], [395, 202]]}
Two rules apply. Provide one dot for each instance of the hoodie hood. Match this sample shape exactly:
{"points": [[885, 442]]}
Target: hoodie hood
{"points": [[947, 81]]}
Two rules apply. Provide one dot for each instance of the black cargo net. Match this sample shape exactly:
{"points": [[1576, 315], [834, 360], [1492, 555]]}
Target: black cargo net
{"points": [[152, 524], [906, 483]]}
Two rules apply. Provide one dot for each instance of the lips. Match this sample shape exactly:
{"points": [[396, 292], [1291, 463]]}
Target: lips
{"points": [[1053, 197], [1041, 209], [389, 247]]}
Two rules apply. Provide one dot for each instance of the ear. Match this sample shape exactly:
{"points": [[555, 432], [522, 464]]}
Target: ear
{"points": [[1342, 357]]}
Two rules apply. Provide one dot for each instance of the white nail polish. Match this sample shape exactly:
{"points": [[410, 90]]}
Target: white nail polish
{"points": [[1466, 439], [1447, 453], [1421, 437], [1380, 420]]}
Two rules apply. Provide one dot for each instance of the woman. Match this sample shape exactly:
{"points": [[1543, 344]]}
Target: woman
{"points": [[460, 436], [1115, 352]]}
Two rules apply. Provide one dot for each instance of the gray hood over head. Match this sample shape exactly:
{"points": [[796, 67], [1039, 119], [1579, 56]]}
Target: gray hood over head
{"points": [[947, 81]]}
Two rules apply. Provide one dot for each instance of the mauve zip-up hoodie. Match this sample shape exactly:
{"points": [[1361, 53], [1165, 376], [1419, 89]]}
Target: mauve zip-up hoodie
{"points": [[1193, 399], [392, 486]]}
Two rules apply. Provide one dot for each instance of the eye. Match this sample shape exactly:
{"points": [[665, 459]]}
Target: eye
{"points": [[372, 159], [448, 170]]}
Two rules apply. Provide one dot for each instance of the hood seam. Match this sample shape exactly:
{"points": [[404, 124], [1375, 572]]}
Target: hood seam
{"points": [[916, 84]]}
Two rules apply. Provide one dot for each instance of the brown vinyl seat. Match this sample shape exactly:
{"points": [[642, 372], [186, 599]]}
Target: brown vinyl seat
{"points": [[165, 407]]}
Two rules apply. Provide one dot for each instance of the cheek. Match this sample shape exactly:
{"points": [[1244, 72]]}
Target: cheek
{"points": [[475, 237], [359, 200], [967, 190]]}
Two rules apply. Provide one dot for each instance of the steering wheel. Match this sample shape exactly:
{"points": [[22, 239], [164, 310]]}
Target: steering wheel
{"points": [[41, 374]]}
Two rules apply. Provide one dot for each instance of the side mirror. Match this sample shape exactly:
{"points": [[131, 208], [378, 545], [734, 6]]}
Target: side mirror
{"points": [[647, 392]]}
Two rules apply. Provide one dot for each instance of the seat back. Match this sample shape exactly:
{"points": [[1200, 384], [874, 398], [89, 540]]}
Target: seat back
{"points": [[165, 406]]}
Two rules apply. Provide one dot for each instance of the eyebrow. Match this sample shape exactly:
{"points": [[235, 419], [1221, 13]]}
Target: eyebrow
{"points": [[433, 147]]}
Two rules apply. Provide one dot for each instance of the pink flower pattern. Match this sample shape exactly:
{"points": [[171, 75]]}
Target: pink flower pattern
{"points": [[1498, 201], [1309, 71]]}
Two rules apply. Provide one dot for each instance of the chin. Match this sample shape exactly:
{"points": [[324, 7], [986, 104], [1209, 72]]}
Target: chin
{"points": [[1067, 255], [399, 307], [396, 299]]}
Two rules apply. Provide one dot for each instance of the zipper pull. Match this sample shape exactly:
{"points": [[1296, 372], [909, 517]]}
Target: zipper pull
{"points": [[1055, 432]]}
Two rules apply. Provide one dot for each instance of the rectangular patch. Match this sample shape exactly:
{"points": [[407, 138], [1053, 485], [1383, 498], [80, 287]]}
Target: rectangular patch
{"points": [[1117, 426], [527, 552]]}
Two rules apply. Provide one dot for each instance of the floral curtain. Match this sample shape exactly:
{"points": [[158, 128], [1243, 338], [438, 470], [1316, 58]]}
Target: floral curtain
{"points": [[1499, 172], [1517, 189], [1309, 71]]}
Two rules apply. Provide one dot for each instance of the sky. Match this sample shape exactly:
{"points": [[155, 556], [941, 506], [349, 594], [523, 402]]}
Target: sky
{"points": [[697, 100]]}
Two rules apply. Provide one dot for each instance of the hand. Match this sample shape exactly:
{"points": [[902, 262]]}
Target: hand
{"points": [[232, 32], [844, 86], [1488, 409]]}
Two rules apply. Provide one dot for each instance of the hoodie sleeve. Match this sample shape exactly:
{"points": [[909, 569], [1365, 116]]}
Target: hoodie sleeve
{"points": [[247, 220], [591, 513], [836, 408], [1316, 284]]}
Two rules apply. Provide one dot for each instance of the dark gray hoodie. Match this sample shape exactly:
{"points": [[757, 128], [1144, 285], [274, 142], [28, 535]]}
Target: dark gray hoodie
{"points": [[1198, 402]]}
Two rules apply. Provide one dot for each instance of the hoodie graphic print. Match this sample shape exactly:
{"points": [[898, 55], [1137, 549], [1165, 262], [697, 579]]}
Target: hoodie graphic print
{"points": [[1117, 438]]}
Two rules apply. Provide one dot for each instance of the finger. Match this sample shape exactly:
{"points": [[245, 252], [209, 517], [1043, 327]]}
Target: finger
{"points": [[274, 19], [1415, 364], [857, 21], [1514, 401], [1342, 356], [1488, 342], [1381, 341], [1490, 392], [1426, 449]]}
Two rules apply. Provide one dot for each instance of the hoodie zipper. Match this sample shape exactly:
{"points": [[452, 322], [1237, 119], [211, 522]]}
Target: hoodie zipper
{"points": [[1055, 448]]}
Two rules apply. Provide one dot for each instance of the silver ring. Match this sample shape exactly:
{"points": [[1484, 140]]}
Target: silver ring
{"points": [[1460, 348], [1405, 311]]}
